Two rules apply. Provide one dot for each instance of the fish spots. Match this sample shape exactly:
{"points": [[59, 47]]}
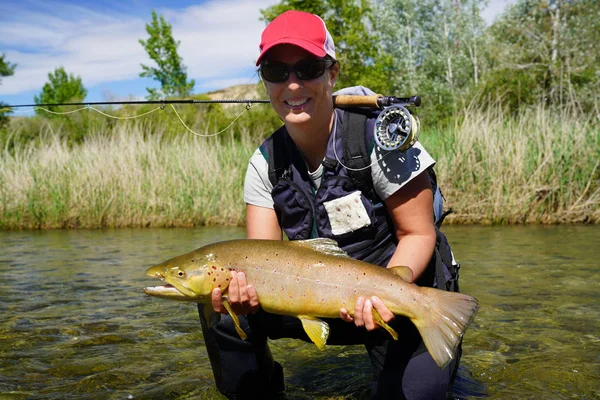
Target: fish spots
{"points": [[297, 279], [275, 270], [213, 267], [354, 291]]}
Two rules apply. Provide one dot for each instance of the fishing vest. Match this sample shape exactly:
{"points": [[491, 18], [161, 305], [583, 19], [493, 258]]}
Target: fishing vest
{"points": [[346, 207]]}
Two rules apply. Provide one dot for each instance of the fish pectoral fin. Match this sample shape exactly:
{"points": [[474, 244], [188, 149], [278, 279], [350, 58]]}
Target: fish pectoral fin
{"points": [[211, 317], [403, 272], [317, 330], [379, 321], [235, 319]]}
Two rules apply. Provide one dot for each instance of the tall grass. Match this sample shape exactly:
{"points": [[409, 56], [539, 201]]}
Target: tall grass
{"points": [[128, 178], [537, 167]]}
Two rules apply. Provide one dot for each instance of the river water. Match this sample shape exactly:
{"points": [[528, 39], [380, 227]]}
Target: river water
{"points": [[75, 323]]}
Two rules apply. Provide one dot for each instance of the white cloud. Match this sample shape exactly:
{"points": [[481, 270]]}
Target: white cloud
{"points": [[219, 40]]}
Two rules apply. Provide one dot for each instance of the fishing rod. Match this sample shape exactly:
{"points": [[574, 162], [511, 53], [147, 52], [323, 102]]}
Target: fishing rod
{"points": [[375, 101], [395, 126]]}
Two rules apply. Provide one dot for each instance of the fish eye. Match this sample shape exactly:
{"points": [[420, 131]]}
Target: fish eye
{"points": [[181, 273]]}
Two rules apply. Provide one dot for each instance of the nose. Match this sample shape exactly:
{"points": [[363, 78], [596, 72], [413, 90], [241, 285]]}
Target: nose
{"points": [[293, 81]]}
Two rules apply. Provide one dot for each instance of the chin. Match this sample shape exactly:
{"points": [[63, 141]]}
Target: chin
{"points": [[299, 119]]}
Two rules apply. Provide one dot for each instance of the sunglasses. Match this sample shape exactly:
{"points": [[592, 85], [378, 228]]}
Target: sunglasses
{"points": [[305, 70]]}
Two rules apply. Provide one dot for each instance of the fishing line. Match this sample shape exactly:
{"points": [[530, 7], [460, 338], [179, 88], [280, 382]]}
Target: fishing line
{"points": [[88, 106], [340, 161]]}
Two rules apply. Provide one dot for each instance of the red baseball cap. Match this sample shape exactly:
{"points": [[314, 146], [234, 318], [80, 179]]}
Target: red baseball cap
{"points": [[301, 29]]}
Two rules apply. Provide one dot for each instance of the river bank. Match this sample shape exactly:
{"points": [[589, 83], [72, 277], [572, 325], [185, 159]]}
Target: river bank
{"points": [[537, 167]]}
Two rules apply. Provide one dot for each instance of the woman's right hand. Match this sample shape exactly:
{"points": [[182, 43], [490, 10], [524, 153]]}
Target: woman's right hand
{"points": [[241, 296]]}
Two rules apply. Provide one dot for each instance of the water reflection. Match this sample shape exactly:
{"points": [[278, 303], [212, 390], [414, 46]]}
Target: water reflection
{"points": [[75, 323]]}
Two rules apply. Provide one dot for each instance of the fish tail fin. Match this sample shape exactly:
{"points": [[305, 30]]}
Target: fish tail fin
{"points": [[444, 321]]}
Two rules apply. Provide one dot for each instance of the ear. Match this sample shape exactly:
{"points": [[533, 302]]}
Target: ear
{"points": [[334, 72]]}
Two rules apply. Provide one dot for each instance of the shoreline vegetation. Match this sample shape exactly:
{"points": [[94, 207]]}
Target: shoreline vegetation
{"points": [[535, 167]]}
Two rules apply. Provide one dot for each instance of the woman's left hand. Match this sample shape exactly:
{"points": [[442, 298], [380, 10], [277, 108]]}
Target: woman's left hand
{"points": [[363, 312]]}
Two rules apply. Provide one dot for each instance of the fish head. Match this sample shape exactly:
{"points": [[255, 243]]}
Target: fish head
{"points": [[194, 275]]}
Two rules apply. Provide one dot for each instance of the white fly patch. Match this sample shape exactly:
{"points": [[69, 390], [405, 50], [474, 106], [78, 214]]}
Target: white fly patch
{"points": [[347, 214]]}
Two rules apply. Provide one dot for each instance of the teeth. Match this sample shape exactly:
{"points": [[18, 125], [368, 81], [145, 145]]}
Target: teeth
{"points": [[296, 103]]}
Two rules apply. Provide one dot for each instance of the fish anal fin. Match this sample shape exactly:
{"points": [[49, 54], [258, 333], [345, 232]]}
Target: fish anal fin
{"points": [[379, 321], [235, 319], [403, 272], [316, 329]]}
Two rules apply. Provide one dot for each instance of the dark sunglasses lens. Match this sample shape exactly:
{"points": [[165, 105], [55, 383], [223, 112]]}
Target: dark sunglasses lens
{"points": [[310, 69], [274, 72]]}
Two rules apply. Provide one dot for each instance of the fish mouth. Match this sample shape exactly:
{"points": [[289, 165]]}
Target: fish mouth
{"points": [[171, 292], [172, 285]]}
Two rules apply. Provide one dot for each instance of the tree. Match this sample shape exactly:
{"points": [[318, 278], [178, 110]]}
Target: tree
{"points": [[357, 48], [61, 88], [6, 69], [546, 51], [171, 72], [434, 49]]}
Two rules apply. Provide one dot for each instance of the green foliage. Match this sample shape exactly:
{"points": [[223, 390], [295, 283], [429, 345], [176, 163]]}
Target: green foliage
{"points": [[64, 88], [162, 49], [61, 88], [6, 69], [554, 59]]}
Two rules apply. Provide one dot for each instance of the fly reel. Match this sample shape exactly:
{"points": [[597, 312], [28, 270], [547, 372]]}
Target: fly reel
{"points": [[396, 128]]}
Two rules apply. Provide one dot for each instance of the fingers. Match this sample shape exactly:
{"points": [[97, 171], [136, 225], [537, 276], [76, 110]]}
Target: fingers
{"points": [[217, 303], [345, 315], [358, 312], [381, 308], [241, 296], [363, 312]]}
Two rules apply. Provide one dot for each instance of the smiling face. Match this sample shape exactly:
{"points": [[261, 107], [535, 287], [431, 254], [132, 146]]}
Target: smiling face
{"points": [[301, 103]]}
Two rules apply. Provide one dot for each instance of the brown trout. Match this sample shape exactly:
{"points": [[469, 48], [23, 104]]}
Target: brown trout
{"points": [[314, 278]]}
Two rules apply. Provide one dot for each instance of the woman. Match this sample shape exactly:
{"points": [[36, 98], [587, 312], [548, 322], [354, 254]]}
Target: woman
{"points": [[391, 225]]}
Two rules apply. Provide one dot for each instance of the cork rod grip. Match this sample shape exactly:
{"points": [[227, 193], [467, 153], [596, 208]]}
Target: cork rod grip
{"points": [[345, 100]]}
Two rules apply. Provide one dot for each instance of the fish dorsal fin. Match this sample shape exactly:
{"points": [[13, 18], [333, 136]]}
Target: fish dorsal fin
{"points": [[322, 245], [317, 330], [403, 272]]}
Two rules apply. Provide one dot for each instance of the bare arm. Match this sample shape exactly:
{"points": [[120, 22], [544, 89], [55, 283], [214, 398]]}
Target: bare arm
{"points": [[261, 223], [411, 210]]}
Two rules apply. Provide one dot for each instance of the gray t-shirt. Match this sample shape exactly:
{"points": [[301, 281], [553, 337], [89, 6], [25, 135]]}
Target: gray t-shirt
{"points": [[390, 171]]}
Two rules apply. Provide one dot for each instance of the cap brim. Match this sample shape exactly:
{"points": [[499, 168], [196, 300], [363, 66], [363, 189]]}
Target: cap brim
{"points": [[303, 44]]}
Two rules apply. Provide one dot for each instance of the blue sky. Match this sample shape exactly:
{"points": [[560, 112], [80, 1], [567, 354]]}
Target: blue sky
{"points": [[98, 41]]}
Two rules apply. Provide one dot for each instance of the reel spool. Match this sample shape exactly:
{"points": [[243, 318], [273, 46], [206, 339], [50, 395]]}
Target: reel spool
{"points": [[396, 128]]}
